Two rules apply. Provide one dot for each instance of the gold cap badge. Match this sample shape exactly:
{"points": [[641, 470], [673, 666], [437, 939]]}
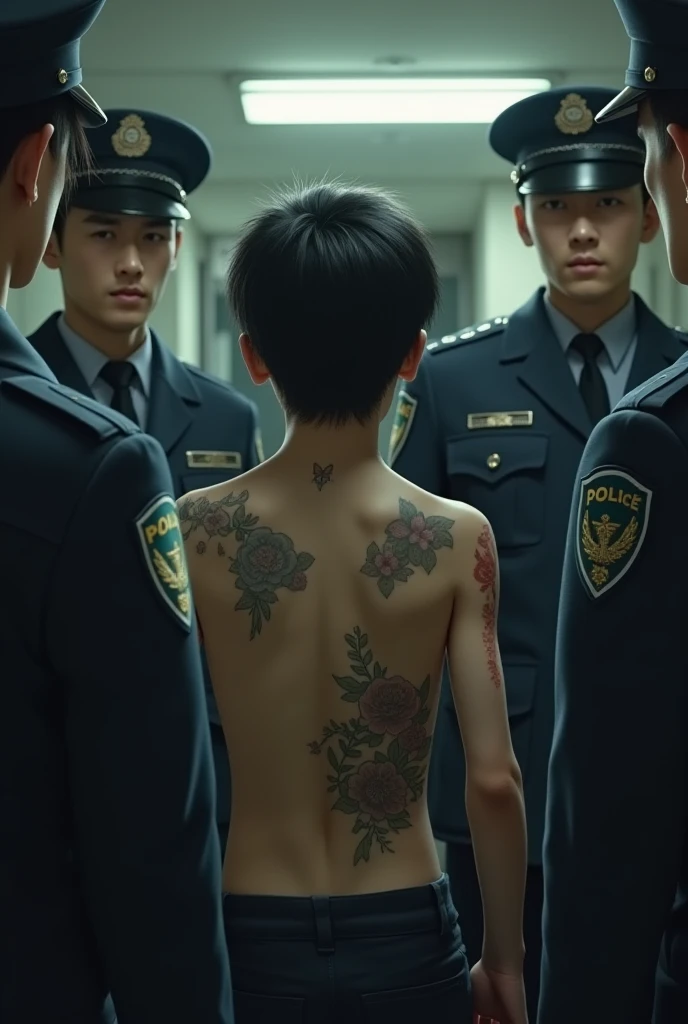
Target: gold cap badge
{"points": [[131, 138], [574, 116]]}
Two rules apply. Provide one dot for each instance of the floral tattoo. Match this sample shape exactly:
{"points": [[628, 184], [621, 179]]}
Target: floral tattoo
{"points": [[377, 791], [322, 476], [412, 540], [485, 573], [264, 562]]}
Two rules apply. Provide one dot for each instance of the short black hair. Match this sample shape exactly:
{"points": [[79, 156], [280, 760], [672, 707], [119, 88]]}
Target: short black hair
{"points": [[668, 106], [60, 111], [333, 283]]}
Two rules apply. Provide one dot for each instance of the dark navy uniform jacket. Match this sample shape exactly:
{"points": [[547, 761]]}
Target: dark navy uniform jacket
{"points": [[616, 857], [521, 477], [189, 411], [109, 861]]}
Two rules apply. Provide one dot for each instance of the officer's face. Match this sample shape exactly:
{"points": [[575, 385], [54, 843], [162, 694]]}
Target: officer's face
{"points": [[114, 268], [38, 177], [588, 241], [667, 183]]}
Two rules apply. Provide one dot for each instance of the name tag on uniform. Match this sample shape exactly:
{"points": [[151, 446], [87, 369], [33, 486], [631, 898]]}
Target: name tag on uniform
{"points": [[214, 460], [482, 420]]}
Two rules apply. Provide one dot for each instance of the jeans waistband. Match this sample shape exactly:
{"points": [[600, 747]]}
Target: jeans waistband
{"points": [[324, 919]]}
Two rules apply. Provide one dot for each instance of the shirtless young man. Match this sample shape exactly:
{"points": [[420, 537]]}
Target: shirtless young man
{"points": [[327, 591]]}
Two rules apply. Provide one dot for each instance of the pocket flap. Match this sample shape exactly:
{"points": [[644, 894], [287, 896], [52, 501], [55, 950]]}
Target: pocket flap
{"points": [[492, 456]]}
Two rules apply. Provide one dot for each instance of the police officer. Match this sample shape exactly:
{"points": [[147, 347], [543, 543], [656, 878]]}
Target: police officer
{"points": [[616, 858], [499, 415], [116, 241], [109, 861]]}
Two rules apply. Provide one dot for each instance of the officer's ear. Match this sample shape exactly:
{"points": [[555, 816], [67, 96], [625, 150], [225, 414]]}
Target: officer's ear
{"points": [[409, 367], [521, 224], [26, 163], [52, 257], [178, 239], [257, 370], [650, 221], [680, 139]]}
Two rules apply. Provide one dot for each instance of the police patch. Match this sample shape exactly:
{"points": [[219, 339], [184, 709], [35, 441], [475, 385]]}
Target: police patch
{"points": [[613, 514], [163, 550], [406, 408]]}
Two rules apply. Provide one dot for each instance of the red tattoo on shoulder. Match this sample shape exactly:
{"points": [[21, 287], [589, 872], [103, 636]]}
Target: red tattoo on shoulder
{"points": [[485, 573]]}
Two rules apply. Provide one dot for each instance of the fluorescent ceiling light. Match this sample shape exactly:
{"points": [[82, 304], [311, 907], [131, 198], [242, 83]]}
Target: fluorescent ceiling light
{"points": [[383, 100]]}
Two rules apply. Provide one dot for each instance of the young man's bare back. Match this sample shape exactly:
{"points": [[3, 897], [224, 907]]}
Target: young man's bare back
{"points": [[327, 588], [327, 591]]}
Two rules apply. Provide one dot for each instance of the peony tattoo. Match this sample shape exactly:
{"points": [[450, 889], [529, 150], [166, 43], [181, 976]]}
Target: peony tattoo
{"points": [[412, 540], [264, 562], [377, 791]]}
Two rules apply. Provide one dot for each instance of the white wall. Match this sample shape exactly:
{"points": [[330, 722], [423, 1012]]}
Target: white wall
{"points": [[506, 272], [178, 315]]}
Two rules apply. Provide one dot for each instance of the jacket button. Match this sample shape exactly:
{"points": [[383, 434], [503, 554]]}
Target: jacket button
{"points": [[493, 460]]}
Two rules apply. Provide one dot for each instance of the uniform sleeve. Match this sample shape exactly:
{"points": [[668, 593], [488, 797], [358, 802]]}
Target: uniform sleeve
{"points": [[416, 449], [617, 780], [254, 453], [139, 763]]}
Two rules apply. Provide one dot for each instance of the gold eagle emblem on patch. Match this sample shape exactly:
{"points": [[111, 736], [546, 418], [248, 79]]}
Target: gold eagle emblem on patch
{"points": [[613, 516], [574, 116], [131, 138]]}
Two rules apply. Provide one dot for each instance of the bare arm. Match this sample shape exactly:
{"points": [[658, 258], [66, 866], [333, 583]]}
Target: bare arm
{"points": [[494, 794]]}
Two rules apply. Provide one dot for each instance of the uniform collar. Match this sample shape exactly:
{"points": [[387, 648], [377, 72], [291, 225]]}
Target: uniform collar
{"points": [[91, 360], [616, 334]]}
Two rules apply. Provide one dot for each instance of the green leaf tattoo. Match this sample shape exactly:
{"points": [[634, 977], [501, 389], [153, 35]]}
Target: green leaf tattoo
{"points": [[412, 540], [378, 790], [264, 562]]}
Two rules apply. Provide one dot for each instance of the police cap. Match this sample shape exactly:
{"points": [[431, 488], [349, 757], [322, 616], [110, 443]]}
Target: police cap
{"points": [[555, 146], [144, 164], [39, 53], [658, 30]]}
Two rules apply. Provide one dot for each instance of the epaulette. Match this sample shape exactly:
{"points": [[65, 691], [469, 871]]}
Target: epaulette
{"points": [[475, 333], [97, 418], [658, 390]]}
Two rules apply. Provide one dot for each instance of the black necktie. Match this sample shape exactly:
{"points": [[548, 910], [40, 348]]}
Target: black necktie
{"points": [[120, 376], [591, 385]]}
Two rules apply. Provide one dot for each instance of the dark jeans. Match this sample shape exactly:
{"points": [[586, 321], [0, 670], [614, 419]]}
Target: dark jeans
{"points": [[385, 958], [466, 895]]}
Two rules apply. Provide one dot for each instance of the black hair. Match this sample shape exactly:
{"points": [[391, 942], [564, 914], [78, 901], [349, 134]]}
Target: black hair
{"points": [[333, 283], [668, 106], [60, 111]]}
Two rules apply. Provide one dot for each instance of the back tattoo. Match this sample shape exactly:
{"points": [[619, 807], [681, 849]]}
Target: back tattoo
{"points": [[391, 712], [263, 562], [412, 540]]}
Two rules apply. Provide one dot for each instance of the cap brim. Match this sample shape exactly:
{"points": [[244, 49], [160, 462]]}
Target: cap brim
{"points": [[127, 201], [90, 114], [626, 102], [585, 176]]}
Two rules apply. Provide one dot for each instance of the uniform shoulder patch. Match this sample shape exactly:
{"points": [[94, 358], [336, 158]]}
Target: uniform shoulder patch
{"points": [[474, 333], [613, 515], [100, 419], [163, 552], [406, 409]]}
